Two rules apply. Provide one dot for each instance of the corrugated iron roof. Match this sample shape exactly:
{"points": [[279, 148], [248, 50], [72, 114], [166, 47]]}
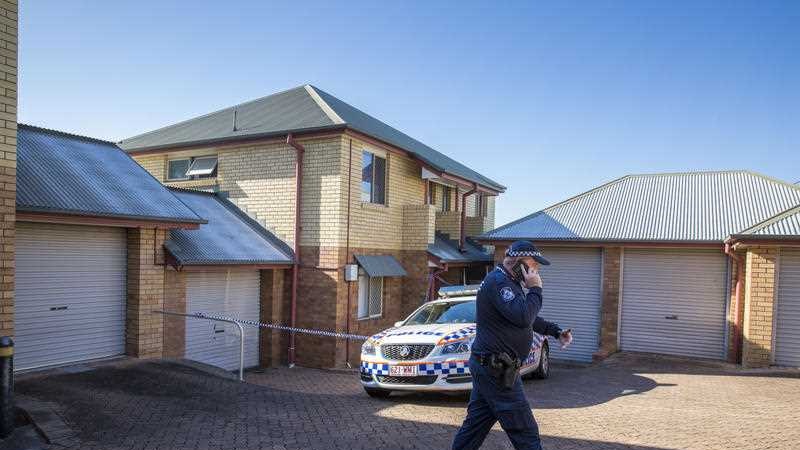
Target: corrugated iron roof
{"points": [[784, 224], [672, 207], [63, 173], [381, 265], [302, 108], [229, 237], [447, 250]]}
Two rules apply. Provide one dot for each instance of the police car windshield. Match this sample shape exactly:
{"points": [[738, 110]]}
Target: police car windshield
{"points": [[441, 313]]}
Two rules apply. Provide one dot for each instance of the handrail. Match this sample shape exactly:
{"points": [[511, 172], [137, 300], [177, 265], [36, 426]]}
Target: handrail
{"points": [[199, 315]]}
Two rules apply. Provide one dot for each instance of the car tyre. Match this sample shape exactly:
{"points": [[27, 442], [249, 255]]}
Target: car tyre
{"points": [[543, 370], [377, 393]]}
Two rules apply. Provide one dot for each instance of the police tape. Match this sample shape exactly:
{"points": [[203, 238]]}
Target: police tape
{"points": [[271, 326]]}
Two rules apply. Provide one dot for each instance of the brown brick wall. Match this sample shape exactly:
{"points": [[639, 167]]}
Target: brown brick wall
{"points": [[610, 296], [275, 298], [733, 319], [759, 305], [144, 330], [8, 160], [449, 223], [174, 301]]}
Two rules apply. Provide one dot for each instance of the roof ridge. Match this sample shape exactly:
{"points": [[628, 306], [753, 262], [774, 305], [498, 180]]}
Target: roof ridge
{"points": [[769, 221], [67, 134], [232, 107], [323, 105], [688, 172]]}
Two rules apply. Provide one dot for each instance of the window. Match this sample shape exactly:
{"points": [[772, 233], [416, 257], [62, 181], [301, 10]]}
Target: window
{"points": [[177, 169], [447, 194], [373, 178], [480, 205], [431, 193], [370, 295], [192, 168]]}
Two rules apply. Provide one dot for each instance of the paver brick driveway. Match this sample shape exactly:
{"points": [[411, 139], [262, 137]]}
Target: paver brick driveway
{"points": [[627, 402]]}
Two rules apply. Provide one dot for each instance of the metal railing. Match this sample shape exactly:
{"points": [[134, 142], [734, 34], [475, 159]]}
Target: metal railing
{"points": [[200, 315]]}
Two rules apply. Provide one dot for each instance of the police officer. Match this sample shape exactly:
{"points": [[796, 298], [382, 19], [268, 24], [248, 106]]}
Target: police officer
{"points": [[508, 305]]}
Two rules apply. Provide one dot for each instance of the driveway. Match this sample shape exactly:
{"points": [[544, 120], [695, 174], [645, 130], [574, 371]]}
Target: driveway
{"points": [[626, 402]]}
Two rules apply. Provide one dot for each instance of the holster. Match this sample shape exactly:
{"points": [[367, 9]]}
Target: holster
{"points": [[505, 368]]}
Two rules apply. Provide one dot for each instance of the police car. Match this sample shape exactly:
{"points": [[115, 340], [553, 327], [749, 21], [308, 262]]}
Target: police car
{"points": [[429, 350]]}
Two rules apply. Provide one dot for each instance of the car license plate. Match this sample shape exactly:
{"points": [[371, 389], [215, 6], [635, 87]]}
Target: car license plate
{"points": [[403, 371]]}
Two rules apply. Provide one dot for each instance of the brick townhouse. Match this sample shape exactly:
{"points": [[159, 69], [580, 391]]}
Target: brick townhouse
{"points": [[371, 196], [8, 159]]}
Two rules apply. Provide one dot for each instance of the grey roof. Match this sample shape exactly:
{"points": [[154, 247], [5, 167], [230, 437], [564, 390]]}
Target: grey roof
{"points": [[63, 173], [785, 224], [381, 265], [304, 108], [447, 250], [229, 237], [672, 207]]}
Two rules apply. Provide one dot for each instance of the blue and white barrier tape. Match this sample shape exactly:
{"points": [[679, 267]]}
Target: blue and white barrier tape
{"points": [[271, 326]]}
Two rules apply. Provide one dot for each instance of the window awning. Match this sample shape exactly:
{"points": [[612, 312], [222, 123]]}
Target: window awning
{"points": [[202, 166], [381, 265]]}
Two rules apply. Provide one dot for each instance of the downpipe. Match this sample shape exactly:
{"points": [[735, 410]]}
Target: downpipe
{"points": [[737, 303], [298, 202]]}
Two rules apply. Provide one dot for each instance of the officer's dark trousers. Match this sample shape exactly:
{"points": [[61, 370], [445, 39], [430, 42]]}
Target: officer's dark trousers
{"points": [[490, 403]]}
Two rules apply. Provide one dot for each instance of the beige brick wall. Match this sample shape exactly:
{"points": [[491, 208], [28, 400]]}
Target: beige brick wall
{"points": [[380, 226], [8, 160], [144, 330], [419, 222], [610, 296], [449, 223], [759, 305]]}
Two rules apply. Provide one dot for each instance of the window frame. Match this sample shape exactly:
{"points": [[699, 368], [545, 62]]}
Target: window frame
{"points": [[447, 198], [373, 176], [191, 160], [363, 310]]}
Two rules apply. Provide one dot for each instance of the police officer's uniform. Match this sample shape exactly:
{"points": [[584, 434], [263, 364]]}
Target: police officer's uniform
{"points": [[505, 315]]}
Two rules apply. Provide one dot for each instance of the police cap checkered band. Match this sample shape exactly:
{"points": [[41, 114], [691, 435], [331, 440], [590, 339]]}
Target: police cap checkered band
{"points": [[525, 248]]}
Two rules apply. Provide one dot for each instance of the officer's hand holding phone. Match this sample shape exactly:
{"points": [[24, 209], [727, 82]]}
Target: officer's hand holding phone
{"points": [[531, 276]]}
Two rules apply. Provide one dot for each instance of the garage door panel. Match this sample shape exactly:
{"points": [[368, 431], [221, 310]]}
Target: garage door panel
{"points": [[572, 298], [674, 302], [233, 293], [81, 268], [787, 319]]}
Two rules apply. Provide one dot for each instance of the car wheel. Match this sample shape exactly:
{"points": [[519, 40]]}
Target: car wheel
{"points": [[543, 370], [377, 393]]}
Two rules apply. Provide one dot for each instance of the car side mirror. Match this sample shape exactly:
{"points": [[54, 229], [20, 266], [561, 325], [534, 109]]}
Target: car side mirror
{"points": [[398, 324]]}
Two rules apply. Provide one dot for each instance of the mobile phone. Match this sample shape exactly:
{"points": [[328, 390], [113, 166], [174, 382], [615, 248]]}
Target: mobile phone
{"points": [[518, 270]]}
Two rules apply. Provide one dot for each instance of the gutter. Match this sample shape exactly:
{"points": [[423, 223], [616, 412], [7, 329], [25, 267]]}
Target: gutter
{"points": [[464, 196], [737, 304], [298, 173]]}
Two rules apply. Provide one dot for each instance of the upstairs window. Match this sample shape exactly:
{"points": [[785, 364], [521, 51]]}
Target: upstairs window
{"points": [[481, 205], [373, 178], [447, 198], [192, 168]]}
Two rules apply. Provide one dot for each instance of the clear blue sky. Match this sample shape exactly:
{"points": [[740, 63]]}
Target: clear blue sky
{"points": [[550, 100]]}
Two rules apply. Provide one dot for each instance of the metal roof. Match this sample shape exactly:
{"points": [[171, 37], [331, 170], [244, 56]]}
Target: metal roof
{"points": [[784, 224], [229, 237], [303, 108], [447, 250], [671, 207], [381, 265], [62, 173]]}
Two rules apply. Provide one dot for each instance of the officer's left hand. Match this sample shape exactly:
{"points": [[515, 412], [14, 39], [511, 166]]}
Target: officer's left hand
{"points": [[566, 338]]}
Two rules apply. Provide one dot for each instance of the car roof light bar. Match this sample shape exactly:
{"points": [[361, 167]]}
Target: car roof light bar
{"points": [[461, 290]]}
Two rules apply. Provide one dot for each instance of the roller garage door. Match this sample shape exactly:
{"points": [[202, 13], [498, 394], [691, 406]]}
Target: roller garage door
{"points": [[70, 293], [572, 298], [787, 318], [673, 302], [232, 293]]}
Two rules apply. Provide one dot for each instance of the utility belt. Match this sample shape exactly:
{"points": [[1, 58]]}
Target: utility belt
{"points": [[501, 366]]}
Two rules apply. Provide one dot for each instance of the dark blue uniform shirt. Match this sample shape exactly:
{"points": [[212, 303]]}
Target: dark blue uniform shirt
{"points": [[505, 316]]}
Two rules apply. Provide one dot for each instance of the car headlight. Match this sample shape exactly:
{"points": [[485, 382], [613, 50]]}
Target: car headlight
{"points": [[367, 348], [457, 347]]}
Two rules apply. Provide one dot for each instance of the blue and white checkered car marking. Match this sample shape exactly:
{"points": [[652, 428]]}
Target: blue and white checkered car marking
{"points": [[442, 368], [459, 334], [375, 368]]}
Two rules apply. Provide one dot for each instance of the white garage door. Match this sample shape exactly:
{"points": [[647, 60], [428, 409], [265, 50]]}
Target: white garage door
{"points": [[232, 293], [673, 302], [70, 294], [787, 319], [572, 298]]}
